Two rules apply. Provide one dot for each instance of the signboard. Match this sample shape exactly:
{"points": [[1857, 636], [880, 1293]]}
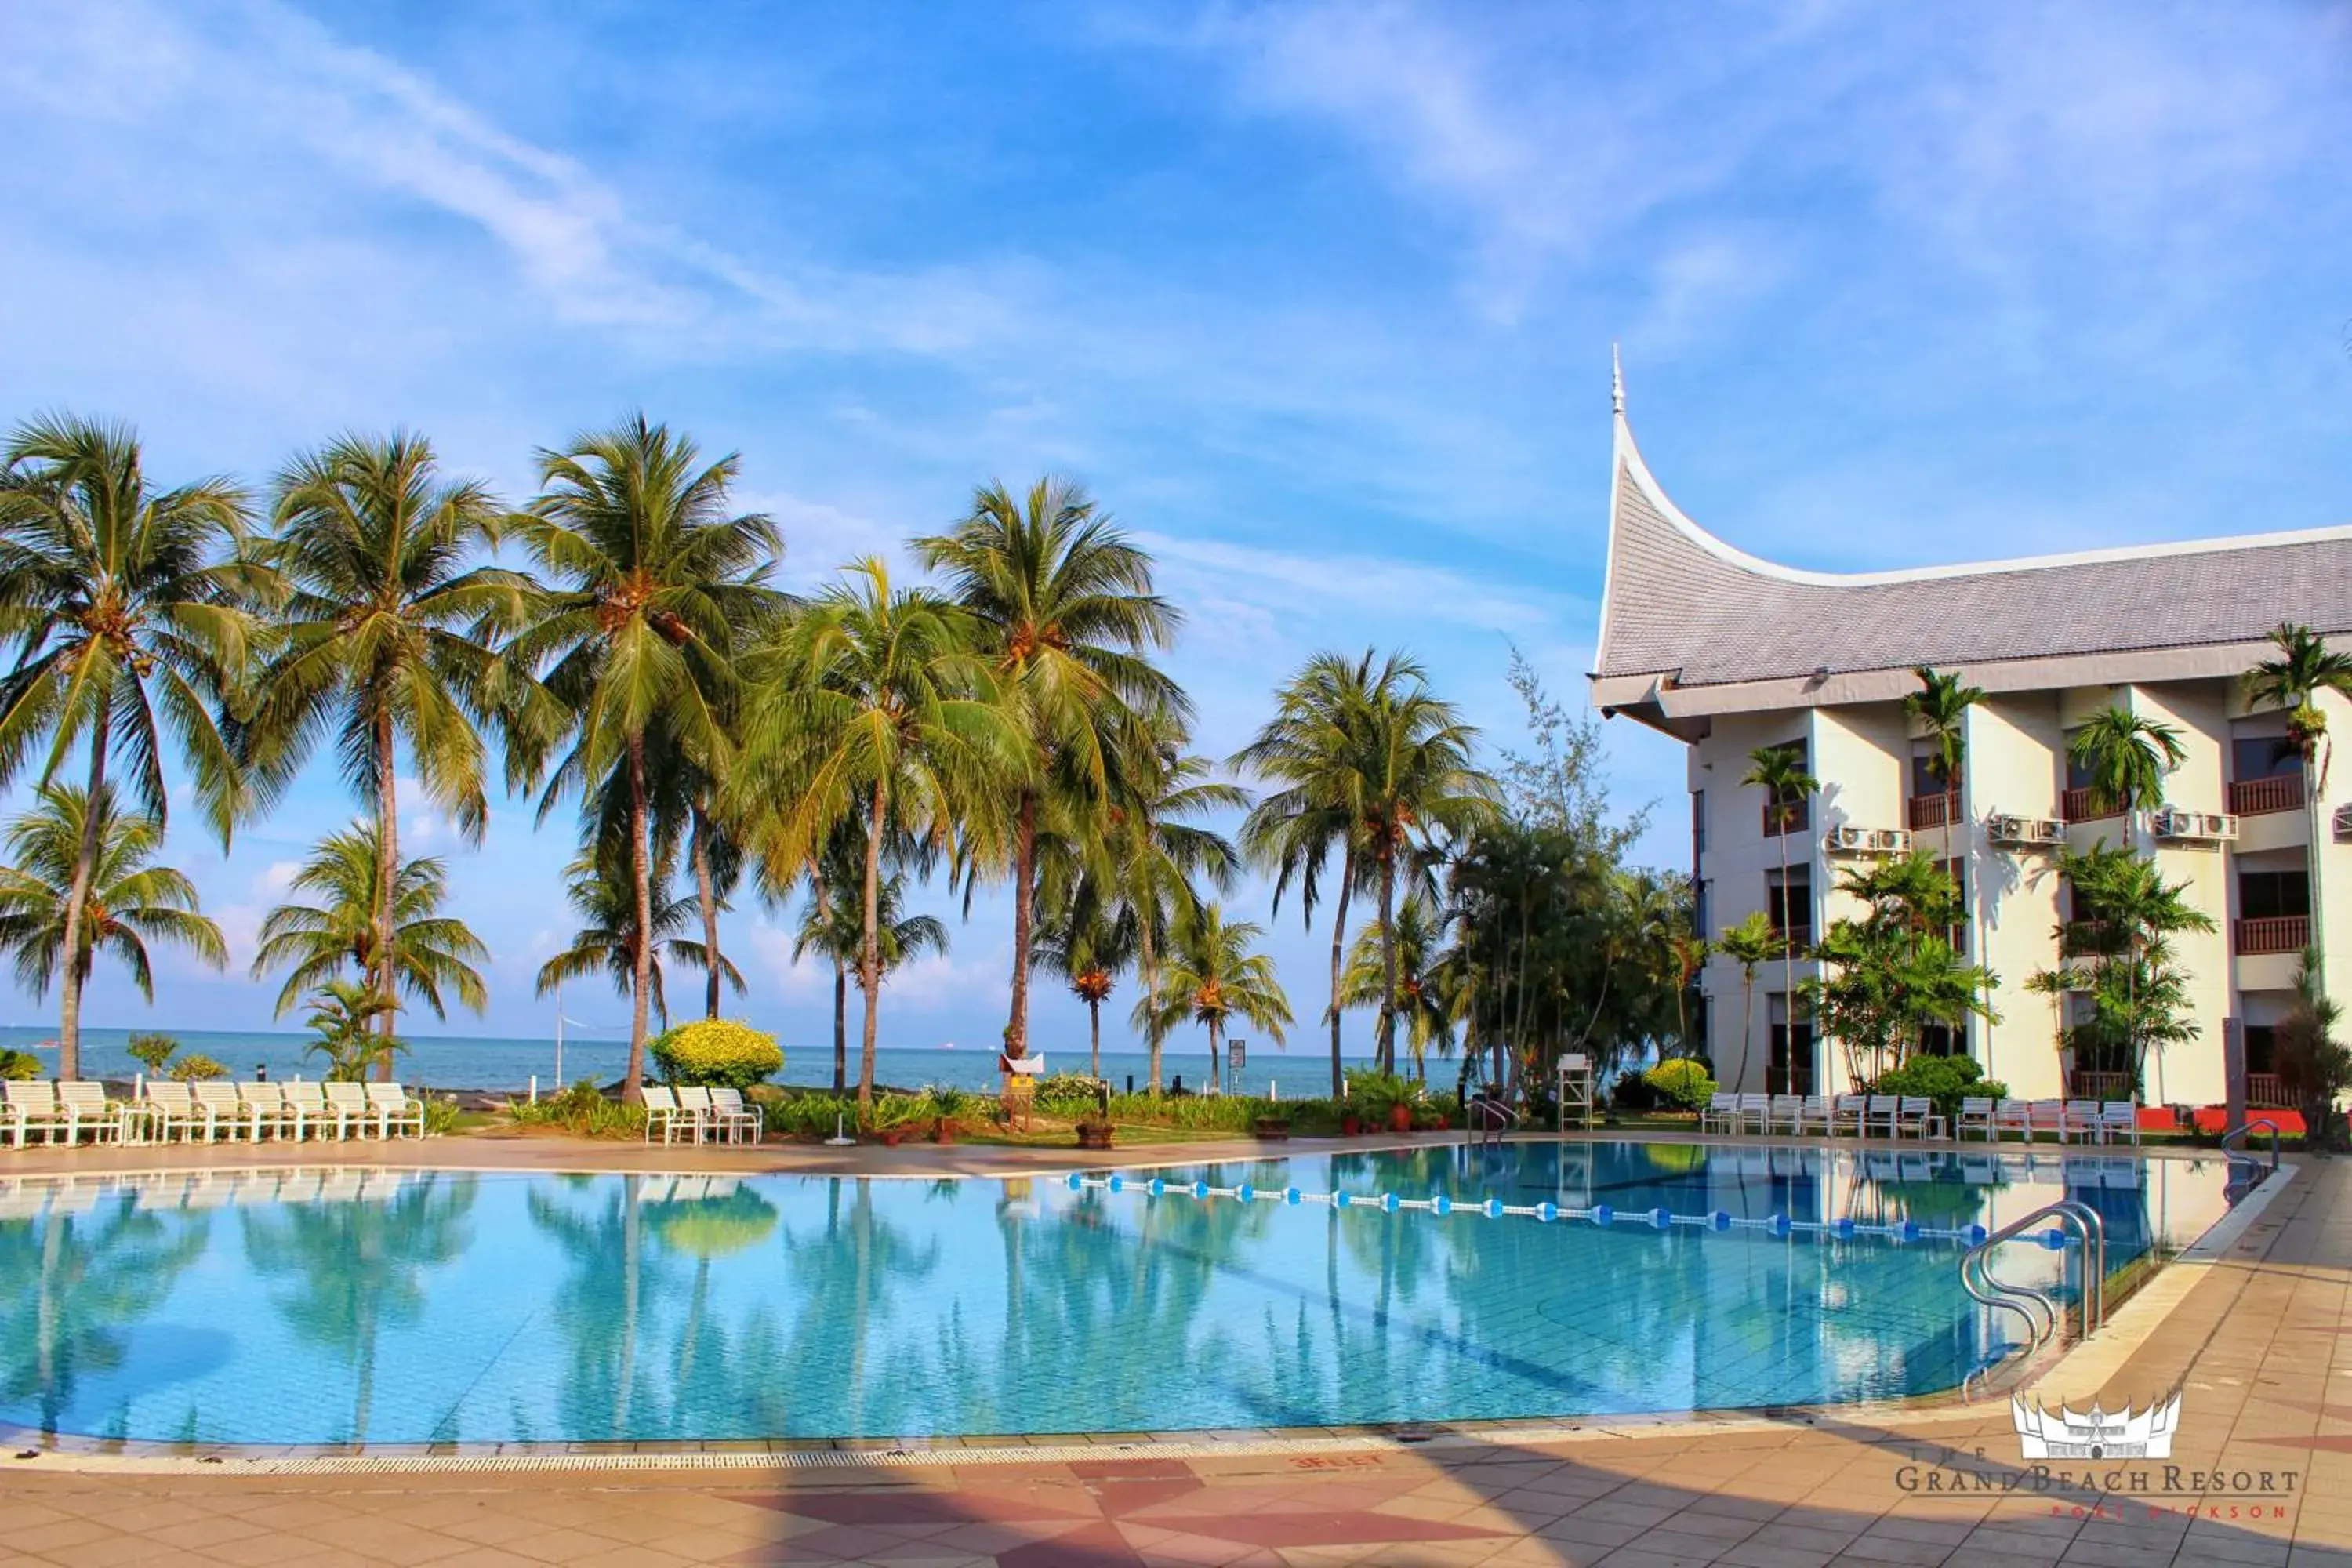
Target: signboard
{"points": [[1237, 1054]]}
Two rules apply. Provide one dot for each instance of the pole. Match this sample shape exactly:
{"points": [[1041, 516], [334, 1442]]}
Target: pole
{"points": [[559, 1035]]}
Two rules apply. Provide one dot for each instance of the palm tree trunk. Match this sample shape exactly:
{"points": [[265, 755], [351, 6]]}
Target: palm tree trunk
{"points": [[1339, 952], [1024, 902], [1787, 969], [869, 955], [1388, 963], [1094, 1028], [641, 959], [708, 895], [1150, 972], [77, 905], [387, 873], [1217, 1067], [840, 1027], [2312, 811]]}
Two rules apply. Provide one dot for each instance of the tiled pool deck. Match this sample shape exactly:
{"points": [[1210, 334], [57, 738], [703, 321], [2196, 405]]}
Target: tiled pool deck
{"points": [[2256, 1339]]}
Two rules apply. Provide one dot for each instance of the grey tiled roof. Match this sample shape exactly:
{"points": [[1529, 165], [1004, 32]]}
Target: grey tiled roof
{"points": [[1684, 605]]}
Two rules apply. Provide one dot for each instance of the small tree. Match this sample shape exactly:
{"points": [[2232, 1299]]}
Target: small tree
{"points": [[2314, 1065], [343, 1013], [1751, 943], [151, 1051], [1893, 974], [2126, 757], [1940, 706]]}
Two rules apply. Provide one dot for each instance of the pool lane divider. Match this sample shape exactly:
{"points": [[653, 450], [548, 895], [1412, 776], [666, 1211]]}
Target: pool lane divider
{"points": [[1906, 1233]]}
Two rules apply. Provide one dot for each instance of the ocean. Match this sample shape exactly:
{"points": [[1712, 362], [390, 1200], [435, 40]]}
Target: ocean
{"points": [[479, 1062]]}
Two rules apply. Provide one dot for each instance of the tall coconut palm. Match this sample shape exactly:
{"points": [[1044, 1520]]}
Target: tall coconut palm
{"points": [[2126, 757], [1304, 751], [1425, 997], [834, 927], [870, 702], [1089, 943], [1068, 620], [1779, 773], [603, 893], [317, 941], [652, 583], [1940, 706], [126, 607], [385, 641], [2301, 666], [1210, 975], [127, 900], [1157, 855], [1751, 943]]}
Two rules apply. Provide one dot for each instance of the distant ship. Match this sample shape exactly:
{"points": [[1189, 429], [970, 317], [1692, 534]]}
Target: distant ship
{"points": [[947, 1045]]}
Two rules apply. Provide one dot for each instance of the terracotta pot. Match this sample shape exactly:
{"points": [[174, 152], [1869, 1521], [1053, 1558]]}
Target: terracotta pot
{"points": [[891, 1138], [1273, 1127], [1349, 1126], [945, 1132], [1094, 1137], [1400, 1117]]}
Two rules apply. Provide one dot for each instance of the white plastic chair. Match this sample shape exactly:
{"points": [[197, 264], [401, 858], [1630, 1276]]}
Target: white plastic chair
{"points": [[1917, 1116], [2083, 1121], [2119, 1119], [1977, 1116], [226, 1113], [1813, 1111], [1851, 1115], [1882, 1112], [352, 1113], [2014, 1116], [664, 1116], [396, 1109], [1722, 1113], [1782, 1112], [736, 1117], [265, 1108], [1756, 1112], [86, 1107], [694, 1102], [2046, 1116], [30, 1106]]}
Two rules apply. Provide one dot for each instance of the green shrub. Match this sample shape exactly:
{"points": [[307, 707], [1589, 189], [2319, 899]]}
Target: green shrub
{"points": [[806, 1113], [19, 1065], [721, 1052], [1068, 1093], [151, 1051], [441, 1115], [897, 1113], [949, 1103], [1370, 1092], [1946, 1080], [1681, 1084], [584, 1112], [195, 1067]]}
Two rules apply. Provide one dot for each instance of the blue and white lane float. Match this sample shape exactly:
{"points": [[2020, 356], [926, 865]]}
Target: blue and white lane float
{"points": [[1905, 1233]]}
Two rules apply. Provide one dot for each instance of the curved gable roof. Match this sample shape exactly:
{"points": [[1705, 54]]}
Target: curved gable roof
{"points": [[1682, 608]]}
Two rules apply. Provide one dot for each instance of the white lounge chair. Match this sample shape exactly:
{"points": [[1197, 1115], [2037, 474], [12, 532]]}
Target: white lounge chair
{"points": [[1813, 1112], [1849, 1115], [1880, 1115], [2083, 1121], [230, 1116], [693, 1100], [2046, 1116], [2013, 1116], [31, 1105], [265, 1108], [2119, 1119], [177, 1111], [663, 1115], [1782, 1112], [1918, 1117], [1721, 1115], [1756, 1112], [738, 1120], [396, 1109], [307, 1108], [88, 1109], [354, 1115]]}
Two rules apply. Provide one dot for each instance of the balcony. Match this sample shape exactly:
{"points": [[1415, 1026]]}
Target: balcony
{"points": [[2082, 1084], [2273, 934], [1787, 816], [1934, 810], [2085, 805], [2266, 1091], [2254, 797]]}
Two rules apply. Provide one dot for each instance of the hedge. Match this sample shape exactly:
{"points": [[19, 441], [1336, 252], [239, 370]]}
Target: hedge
{"points": [[717, 1052]]}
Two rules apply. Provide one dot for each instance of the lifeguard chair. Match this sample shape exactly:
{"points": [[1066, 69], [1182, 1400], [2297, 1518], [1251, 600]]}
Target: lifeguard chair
{"points": [[1020, 1096]]}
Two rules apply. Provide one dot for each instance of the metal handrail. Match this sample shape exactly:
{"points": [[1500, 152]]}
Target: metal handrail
{"points": [[2093, 1231], [2246, 1131], [2041, 1317]]}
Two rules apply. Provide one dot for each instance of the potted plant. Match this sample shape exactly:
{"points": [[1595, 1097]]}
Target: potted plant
{"points": [[892, 1115], [1094, 1131], [950, 1107], [1273, 1128], [1401, 1116]]}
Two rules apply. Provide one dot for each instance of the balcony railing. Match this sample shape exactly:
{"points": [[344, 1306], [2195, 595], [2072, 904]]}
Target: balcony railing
{"points": [[2082, 939], [2085, 1085], [1787, 816], [2252, 797], [2266, 1091], [1934, 810], [2085, 805], [2275, 933]]}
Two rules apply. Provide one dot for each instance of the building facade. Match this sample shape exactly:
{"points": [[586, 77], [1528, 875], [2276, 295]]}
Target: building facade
{"points": [[1729, 654]]}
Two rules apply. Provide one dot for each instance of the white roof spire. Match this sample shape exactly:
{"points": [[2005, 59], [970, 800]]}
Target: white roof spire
{"points": [[1616, 384]]}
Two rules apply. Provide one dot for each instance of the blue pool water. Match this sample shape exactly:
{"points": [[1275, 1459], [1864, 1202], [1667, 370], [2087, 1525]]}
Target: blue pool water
{"points": [[445, 1307]]}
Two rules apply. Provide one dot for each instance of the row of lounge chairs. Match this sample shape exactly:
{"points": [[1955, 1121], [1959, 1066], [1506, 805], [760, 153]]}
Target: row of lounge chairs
{"points": [[1913, 1116], [701, 1115], [67, 1111]]}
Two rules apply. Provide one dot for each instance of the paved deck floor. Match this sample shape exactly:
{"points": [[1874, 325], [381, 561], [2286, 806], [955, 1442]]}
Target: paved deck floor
{"points": [[2257, 1345]]}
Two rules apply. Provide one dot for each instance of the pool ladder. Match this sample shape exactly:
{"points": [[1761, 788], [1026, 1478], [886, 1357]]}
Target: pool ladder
{"points": [[2042, 1317]]}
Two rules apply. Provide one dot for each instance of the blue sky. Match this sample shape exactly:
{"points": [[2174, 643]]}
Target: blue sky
{"points": [[1318, 298]]}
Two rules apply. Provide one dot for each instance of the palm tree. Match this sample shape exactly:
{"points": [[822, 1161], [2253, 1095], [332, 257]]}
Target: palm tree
{"points": [[1425, 993], [385, 640], [1751, 942], [652, 586], [1156, 854], [1087, 942], [344, 1015], [2303, 668], [1780, 772], [833, 926], [125, 604], [603, 893], [1068, 620], [1940, 707], [127, 902], [2126, 757], [1211, 976], [871, 702], [430, 949]]}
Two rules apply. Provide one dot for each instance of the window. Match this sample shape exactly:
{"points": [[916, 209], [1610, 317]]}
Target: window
{"points": [[1787, 811], [1942, 1040], [2262, 1047], [1923, 779], [1698, 911], [2078, 773], [1698, 826], [2263, 757], [1789, 903], [2273, 895], [1789, 1068]]}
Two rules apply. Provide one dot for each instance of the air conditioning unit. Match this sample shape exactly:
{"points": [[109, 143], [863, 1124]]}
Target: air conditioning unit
{"points": [[2344, 822], [2027, 830], [2195, 826], [1847, 839]]}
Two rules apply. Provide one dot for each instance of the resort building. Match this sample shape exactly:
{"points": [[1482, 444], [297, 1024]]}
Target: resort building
{"points": [[1729, 654]]}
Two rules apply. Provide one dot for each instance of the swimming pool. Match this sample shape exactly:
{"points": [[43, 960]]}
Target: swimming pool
{"points": [[445, 1307]]}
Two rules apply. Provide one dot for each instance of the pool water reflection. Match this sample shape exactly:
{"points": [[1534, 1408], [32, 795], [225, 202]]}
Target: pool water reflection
{"points": [[443, 1307]]}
